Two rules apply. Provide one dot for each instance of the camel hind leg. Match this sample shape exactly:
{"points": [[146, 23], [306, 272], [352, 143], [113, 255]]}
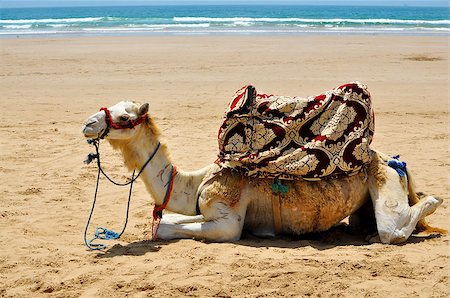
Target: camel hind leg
{"points": [[422, 224], [414, 198], [396, 220]]}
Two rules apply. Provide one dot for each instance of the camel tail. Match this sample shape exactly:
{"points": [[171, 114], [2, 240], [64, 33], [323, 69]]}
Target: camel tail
{"points": [[414, 197]]}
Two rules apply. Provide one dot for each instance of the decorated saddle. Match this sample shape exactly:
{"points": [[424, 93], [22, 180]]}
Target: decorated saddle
{"points": [[312, 138]]}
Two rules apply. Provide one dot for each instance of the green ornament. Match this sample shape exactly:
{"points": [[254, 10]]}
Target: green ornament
{"points": [[278, 187]]}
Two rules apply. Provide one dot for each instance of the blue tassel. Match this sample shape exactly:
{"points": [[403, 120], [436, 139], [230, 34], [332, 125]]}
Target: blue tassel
{"points": [[399, 166]]}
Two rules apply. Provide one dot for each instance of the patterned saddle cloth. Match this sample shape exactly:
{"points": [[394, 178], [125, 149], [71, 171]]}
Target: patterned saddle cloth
{"points": [[312, 138]]}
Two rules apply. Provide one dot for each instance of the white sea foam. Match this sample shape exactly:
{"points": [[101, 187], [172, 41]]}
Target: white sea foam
{"points": [[303, 20], [145, 27], [241, 23], [59, 25], [68, 20], [17, 26], [118, 29], [161, 26]]}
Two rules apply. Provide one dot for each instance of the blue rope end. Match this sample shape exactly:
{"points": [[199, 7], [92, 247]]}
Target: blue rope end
{"points": [[104, 234], [399, 166]]}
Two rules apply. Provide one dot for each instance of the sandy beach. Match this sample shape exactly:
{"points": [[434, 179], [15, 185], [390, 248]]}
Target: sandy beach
{"points": [[49, 86]]}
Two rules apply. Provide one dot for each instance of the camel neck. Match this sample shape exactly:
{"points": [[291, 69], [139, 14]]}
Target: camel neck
{"points": [[157, 174]]}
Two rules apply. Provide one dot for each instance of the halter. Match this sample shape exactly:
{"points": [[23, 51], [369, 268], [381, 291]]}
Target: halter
{"points": [[128, 125]]}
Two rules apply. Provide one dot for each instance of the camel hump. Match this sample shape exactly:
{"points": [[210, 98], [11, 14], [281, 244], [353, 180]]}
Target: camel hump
{"points": [[320, 136]]}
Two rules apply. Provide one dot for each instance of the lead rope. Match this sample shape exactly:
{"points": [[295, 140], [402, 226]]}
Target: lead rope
{"points": [[100, 232]]}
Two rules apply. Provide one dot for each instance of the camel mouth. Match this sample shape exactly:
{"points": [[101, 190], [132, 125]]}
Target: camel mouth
{"points": [[90, 134]]}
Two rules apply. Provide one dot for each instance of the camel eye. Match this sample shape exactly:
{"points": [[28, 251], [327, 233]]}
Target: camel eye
{"points": [[124, 118]]}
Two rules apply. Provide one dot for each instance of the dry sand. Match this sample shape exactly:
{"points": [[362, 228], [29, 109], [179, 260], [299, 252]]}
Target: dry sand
{"points": [[48, 88]]}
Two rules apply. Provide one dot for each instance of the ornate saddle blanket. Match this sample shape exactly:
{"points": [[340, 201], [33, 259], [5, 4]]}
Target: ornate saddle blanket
{"points": [[312, 138]]}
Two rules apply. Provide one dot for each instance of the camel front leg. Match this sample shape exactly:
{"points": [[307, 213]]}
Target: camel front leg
{"points": [[221, 223], [175, 218], [396, 220]]}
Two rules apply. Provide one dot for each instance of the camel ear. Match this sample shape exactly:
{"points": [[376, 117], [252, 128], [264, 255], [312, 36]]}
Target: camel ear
{"points": [[143, 109]]}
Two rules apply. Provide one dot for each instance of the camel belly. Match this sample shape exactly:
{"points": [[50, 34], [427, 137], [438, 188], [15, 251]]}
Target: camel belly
{"points": [[307, 206]]}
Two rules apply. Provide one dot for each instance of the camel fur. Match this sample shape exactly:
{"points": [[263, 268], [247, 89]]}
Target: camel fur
{"points": [[230, 202]]}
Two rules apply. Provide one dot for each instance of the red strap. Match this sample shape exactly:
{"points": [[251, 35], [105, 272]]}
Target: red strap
{"points": [[169, 193], [159, 209], [129, 124]]}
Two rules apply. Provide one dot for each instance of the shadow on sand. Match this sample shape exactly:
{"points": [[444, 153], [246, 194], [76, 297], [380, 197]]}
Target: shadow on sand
{"points": [[138, 248], [340, 235]]}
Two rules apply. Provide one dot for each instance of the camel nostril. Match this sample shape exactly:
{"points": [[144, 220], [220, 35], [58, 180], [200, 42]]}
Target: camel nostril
{"points": [[85, 128], [90, 122]]}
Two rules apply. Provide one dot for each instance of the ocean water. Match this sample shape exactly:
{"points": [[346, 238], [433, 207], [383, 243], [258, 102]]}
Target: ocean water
{"points": [[231, 19]]}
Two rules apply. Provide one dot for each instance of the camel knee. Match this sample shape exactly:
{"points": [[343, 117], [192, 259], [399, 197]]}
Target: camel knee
{"points": [[218, 230], [428, 205], [222, 223], [226, 230]]}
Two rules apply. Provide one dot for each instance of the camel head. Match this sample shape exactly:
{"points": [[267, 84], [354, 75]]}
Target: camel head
{"points": [[117, 122]]}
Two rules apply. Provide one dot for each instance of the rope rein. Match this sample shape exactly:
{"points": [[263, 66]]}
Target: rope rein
{"points": [[106, 234], [100, 232]]}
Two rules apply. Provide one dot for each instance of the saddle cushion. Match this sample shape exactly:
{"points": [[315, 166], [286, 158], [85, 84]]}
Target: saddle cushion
{"points": [[292, 137]]}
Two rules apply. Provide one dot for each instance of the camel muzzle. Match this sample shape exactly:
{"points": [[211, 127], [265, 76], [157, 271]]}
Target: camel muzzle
{"points": [[92, 132], [95, 126]]}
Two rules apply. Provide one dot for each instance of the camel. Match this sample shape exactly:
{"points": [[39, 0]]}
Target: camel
{"points": [[216, 204]]}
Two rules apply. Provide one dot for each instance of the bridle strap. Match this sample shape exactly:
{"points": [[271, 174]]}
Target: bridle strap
{"points": [[157, 211], [130, 123]]}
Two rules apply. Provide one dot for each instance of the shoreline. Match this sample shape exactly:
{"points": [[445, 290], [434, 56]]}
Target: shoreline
{"points": [[230, 33]]}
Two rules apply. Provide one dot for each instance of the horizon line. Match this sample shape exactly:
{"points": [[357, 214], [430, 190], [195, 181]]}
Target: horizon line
{"points": [[359, 4]]}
